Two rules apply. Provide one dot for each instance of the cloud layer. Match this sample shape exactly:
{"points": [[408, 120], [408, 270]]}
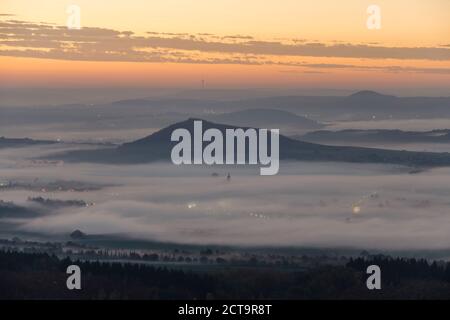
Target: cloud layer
{"points": [[306, 205], [41, 40]]}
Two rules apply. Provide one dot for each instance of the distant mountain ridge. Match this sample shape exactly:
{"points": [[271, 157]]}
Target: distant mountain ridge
{"points": [[158, 146], [264, 118], [361, 105], [154, 113], [369, 94]]}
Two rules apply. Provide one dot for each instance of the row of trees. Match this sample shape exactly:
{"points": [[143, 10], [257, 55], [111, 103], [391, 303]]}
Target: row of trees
{"points": [[43, 276]]}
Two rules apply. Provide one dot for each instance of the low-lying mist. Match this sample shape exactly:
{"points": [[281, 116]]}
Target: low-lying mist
{"points": [[320, 204]]}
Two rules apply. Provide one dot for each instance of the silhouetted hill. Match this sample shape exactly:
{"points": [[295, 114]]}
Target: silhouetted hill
{"points": [[368, 94], [157, 147], [160, 112]]}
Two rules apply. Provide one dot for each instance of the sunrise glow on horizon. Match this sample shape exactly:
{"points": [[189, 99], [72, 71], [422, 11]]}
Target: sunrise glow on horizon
{"points": [[226, 43]]}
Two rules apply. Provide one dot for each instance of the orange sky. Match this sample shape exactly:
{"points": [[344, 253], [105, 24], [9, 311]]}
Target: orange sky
{"points": [[60, 73], [223, 61]]}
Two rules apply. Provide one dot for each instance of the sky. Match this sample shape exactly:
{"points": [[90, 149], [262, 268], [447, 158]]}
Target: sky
{"points": [[226, 44]]}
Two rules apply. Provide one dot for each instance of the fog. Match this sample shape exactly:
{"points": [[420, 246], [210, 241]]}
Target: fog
{"points": [[393, 124], [318, 205], [305, 205]]}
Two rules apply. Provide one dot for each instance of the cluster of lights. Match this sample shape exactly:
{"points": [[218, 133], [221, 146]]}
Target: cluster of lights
{"points": [[192, 205]]}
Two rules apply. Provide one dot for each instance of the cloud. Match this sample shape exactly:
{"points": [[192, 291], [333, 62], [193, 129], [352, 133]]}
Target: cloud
{"points": [[391, 69], [41, 40]]}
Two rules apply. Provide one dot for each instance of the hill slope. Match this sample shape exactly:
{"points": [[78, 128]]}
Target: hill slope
{"points": [[157, 147]]}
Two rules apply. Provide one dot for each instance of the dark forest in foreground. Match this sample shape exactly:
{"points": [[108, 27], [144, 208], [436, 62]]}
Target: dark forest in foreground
{"points": [[42, 276]]}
